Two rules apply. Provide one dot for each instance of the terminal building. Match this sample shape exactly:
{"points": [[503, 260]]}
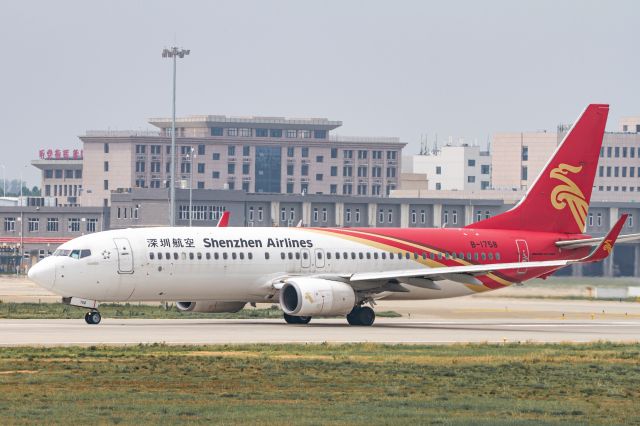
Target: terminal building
{"points": [[270, 155]]}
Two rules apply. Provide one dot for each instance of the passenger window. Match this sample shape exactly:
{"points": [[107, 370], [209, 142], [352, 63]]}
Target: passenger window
{"points": [[424, 256], [305, 255], [207, 255], [375, 255], [282, 255], [497, 256], [447, 255], [415, 256], [266, 255], [432, 256], [250, 255], [190, 256], [360, 256], [75, 254], [298, 255], [225, 256], [468, 255], [390, 256], [368, 255], [337, 256], [407, 255], [199, 256], [241, 256], [475, 256], [159, 256], [328, 255], [290, 256], [383, 255], [461, 255], [490, 256], [353, 255], [151, 256], [484, 256], [216, 256], [168, 255], [234, 256], [345, 256], [440, 256], [85, 253], [319, 255]]}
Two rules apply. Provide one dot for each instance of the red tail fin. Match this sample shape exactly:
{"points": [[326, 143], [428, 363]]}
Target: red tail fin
{"points": [[224, 220], [559, 198]]}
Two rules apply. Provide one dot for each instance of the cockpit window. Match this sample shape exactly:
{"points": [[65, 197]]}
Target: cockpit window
{"points": [[75, 254], [60, 252], [85, 253]]}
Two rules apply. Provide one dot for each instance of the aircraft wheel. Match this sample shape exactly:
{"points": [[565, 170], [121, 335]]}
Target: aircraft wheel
{"points": [[361, 315], [93, 317], [292, 319]]}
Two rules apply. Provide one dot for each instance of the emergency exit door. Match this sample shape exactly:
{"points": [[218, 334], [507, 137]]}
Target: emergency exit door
{"points": [[125, 256], [523, 254]]}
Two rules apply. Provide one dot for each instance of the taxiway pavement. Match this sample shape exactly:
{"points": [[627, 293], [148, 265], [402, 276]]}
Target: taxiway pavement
{"points": [[386, 330]]}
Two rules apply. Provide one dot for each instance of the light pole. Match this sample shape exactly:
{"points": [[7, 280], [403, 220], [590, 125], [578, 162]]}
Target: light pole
{"points": [[4, 181], [173, 52], [191, 187]]}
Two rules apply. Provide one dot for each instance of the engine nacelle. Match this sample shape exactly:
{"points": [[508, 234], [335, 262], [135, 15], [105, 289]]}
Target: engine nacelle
{"points": [[210, 306], [316, 297]]}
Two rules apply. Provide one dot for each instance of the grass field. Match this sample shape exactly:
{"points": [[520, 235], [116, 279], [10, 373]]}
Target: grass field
{"points": [[317, 384], [126, 310]]}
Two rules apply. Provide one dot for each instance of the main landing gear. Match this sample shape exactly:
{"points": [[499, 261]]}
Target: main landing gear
{"points": [[93, 317], [361, 315]]}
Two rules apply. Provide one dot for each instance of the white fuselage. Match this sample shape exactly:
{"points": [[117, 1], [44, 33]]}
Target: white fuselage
{"points": [[225, 264]]}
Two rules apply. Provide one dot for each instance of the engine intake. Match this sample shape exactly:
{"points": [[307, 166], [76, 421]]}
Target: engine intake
{"points": [[210, 306], [316, 297]]}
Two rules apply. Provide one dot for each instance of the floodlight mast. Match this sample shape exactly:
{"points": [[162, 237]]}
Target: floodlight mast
{"points": [[173, 52]]}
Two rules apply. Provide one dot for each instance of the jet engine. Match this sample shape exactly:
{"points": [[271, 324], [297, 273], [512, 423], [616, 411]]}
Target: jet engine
{"points": [[316, 297], [210, 306]]}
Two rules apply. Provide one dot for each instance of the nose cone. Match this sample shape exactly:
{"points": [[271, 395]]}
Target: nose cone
{"points": [[43, 273]]}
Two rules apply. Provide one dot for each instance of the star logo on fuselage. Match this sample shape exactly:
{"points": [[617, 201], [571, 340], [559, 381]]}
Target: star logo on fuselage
{"points": [[106, 255]]}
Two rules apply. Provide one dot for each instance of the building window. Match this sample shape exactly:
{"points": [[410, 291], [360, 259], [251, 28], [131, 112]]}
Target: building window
{"points": [[276, 133], [232, 131], [454, 217], [381, 215], [304, 188], [616, 151], [140, 166], [306, 134], [438, 170], [325, 214], [305, 152], [390, 216], [58, 173], [215, 175], [106, 184], [375, 189], [52, 224], [347, 215], [347, 189], [106, 148], [391, 172], [362, 189], [599, 219], [357, 216], [414, 216], [231, 168], [215, 156], [438, 186], [290, 151], [362, 154], [471, 163], [319, 176], [244, 132], [92, 224], [347, 171], [260, 214], [155, 167], [231, 150], [319, 159], [333, 188], [106, 166], [262, 133], [334, 152], [33, 224], [289, 169], [471, 179], [10, 224], [304, 170], [423, 216], [334, 170], [320, 134], [630, 220], [74, 224], [590, 219], [217, 131], [289, 187], [445, 217], [292, 133], [525, 153], [245, 169], [392, 155], [246, 151], [524, 173]]}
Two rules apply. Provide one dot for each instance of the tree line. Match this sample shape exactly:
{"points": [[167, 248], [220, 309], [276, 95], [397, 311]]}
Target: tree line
{"points": [[13, 189]]}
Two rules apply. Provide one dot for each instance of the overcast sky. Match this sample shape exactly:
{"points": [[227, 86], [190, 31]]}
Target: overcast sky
{"points": [[385, 68]]}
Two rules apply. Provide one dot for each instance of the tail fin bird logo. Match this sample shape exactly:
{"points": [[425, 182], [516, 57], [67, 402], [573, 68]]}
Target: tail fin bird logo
{"points": [[569, 194], [607, 246]]}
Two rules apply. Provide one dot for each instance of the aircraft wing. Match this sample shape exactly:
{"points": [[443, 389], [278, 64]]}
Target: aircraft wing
{"points": [[455, 272]]}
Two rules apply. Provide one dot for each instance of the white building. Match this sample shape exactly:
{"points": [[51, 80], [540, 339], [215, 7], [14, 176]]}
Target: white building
{"points": [[457, 168]]}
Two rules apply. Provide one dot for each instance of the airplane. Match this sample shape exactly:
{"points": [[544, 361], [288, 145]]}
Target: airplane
{"points": [[320, 272]]}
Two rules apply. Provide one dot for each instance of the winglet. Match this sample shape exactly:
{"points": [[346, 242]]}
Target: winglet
{"points": [[224, 220], [605, 248]]}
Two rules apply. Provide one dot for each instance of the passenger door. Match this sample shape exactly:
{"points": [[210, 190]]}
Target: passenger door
{"points": [[125, 256], [523, 254]]}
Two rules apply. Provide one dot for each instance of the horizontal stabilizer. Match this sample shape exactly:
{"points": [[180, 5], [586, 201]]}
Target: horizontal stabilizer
{"points": [[592, 242]]}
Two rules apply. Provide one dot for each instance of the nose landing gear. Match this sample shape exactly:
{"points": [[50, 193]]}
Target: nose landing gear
{"points": [[93, 317]]}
